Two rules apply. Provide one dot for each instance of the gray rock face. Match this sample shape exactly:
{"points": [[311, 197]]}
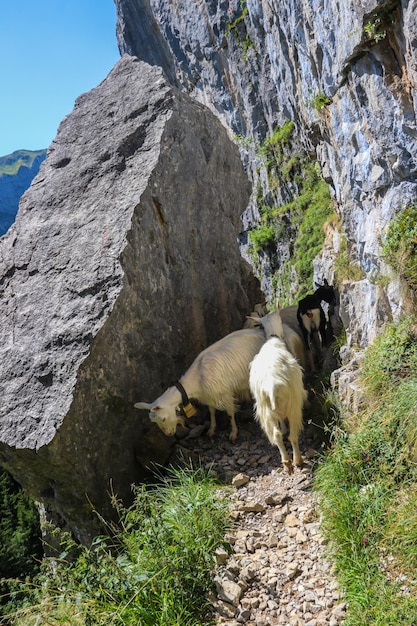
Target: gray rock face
{"points": [[258, 64], [122, 265]]}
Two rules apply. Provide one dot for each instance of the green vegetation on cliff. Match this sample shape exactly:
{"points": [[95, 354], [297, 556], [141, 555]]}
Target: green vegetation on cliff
{"points": [[297, 223]]}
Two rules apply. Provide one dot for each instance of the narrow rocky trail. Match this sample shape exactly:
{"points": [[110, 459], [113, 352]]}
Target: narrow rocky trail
{"points": [[278, 572]]}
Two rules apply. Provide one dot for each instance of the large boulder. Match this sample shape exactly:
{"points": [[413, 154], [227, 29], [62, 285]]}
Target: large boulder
{"points": [[122, 265]]}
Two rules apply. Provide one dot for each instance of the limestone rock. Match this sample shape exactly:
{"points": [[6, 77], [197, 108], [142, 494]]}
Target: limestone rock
{"points": [[260, 64], [121, 266], [240, 479], [228, 591]]}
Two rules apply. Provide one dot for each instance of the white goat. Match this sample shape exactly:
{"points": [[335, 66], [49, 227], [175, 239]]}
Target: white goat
{"points": [[276, 384], [292, 334], [294, 339], [218, 378]]}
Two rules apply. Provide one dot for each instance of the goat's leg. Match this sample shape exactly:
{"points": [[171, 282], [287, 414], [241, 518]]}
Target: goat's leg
{"points": [[306, 336], [233, 428], [322, 328], [298, 459], [279, 442], [212, 429]]}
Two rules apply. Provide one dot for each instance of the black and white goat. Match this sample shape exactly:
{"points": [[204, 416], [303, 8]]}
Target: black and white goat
{"points": [[311, 316]]}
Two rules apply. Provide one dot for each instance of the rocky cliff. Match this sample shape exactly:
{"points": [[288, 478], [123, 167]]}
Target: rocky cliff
{"points": [[17, 171], [121, 266], [345, 75]]}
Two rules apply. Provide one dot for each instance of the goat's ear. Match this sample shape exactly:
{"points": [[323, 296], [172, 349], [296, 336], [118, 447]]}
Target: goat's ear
{"points": [[146, 405]]}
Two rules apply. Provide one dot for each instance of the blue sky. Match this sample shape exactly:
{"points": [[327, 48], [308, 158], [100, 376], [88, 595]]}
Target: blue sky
{"points": [[51, 51]]}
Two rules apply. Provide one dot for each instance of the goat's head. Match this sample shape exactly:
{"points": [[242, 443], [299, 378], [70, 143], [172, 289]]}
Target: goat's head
{"points": [[308, 304], [272, 323], [325, 292], [167, 417]]}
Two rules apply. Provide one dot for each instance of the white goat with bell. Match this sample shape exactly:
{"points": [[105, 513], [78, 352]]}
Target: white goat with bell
{"points": [[218, 378], [276, 384]]}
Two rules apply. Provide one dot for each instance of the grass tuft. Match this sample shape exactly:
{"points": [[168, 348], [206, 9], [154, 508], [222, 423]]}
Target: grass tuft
{"points": [[155, 569], [400, 246], [366, 486]]}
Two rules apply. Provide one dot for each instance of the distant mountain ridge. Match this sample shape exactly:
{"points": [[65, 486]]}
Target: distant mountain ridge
{"points": [[17, 171]]}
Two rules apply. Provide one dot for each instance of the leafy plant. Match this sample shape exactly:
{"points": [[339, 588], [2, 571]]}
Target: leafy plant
{"points": [[262, 237], [391, 357], [307, 212], [376, 27], [311, 236], [273, 147]]}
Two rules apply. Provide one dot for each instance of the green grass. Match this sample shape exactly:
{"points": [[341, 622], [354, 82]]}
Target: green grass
{"points": [[344, 267], [154, 569], [11, 163], [400, 246], [366, 486], [272, 149]]}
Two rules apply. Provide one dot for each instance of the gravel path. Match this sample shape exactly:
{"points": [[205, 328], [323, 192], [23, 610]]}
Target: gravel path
{"points": [[278, 572]]}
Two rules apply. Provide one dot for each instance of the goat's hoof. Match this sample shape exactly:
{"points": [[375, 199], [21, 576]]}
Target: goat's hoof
{"points": [[211, 433], [299, 462], [288, 466], [233, 438]]}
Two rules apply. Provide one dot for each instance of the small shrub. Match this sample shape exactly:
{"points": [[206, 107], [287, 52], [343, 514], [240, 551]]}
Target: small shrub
{"points": [[377, 26], [262, 237], [272, 149], [295, 230], [319, 101], [311, 235], [232, 25]]}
